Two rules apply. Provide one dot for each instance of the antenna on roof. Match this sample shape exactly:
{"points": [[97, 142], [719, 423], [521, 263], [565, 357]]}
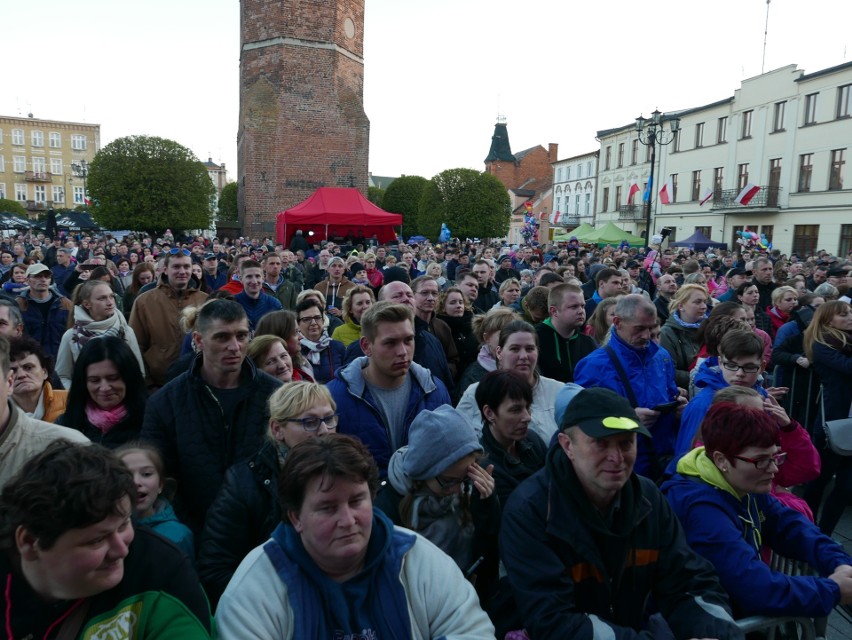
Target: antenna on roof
{"points": [[765, 35]]}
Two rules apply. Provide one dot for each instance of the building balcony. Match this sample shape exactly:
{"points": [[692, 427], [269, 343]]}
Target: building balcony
{"points": [[764, 201], [32, 205], [38, 176], [569, 220], [631, 212]]}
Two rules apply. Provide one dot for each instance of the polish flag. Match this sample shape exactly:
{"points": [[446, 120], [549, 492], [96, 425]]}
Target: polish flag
{"points": [[748, 192], [705, 196], [632, 191], [555, 217], [667, 192]]}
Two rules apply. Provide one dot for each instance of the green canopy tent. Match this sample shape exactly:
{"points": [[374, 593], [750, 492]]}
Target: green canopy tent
{"points": [[579, 233], [611, 234]]}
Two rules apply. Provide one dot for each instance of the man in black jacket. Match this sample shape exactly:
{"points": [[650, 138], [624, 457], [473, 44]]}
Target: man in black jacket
{"points": [[561, 343], [587, 543], [212, 416]]}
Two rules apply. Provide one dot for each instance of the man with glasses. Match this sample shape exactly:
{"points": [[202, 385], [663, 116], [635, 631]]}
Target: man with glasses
{"points": [[44, 311], [587, 543], [156, 314], [379, 394], [212, 415], [643, 372]]}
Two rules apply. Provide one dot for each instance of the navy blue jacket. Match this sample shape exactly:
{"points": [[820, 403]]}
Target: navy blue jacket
{"points": [[256, 309], [48, 331]]}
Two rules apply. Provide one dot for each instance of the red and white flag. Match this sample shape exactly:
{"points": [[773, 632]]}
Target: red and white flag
{"points": [[632, 190], [705, 196], [667, 192], [554, 218], [748, 192]]}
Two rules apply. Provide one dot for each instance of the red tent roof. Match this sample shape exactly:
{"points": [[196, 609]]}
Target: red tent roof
{"points": [[341, 211]]}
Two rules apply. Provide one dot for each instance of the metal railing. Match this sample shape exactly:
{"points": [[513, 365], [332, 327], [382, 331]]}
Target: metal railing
{"points": [[766, 198], [631, 212], [38, 176]]}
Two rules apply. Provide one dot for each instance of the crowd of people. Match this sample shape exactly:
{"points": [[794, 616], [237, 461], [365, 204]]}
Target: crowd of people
{"points": [[244, 439]]}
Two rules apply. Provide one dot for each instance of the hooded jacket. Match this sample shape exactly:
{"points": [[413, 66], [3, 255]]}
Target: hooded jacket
{"points": [[558, 356], [729, 530], [575, 576], [360, 417], [682, 345], [165, 522]]}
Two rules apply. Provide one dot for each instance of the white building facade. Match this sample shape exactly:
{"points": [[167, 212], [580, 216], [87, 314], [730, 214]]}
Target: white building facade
{"points": [[574, 188], [785, 131]]}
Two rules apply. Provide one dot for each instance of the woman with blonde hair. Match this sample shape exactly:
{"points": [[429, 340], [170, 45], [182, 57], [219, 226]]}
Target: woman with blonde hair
{"points": [[486, 328], [828, 345], [784, 301], [246, 511], [679, 335], [357, 301]]}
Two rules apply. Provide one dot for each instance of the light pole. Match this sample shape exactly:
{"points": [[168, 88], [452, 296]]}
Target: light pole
{"points": [[81, 170], [651, 133]]}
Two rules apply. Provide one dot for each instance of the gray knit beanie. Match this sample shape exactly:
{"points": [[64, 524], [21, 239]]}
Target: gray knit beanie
{"points": [[436, 440]]}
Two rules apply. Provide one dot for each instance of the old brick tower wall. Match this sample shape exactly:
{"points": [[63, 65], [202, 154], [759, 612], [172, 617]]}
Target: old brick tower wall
{"points": [[302, 121]]}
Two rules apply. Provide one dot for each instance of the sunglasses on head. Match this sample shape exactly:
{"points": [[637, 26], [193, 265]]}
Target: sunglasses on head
{"points": [[177, 250]]}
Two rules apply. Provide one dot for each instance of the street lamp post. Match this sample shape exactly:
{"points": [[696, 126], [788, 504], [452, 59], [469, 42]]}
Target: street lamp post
{"points": [[81, 170], [651, 133]]}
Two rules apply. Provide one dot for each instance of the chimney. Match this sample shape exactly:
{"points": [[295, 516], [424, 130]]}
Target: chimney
{"points": [[552, 148]]}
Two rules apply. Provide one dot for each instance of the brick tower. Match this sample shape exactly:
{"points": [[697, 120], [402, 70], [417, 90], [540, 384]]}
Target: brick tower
{"points": [[302, 121]]}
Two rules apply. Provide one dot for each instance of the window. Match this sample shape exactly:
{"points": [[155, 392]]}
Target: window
{"points": [[605, 199], [845, 236], [1, 136], [774, 182], [18, 137], [718, 179], [2, 164], [40, 193], [806, 167], [634, 152], [742, 176], [37, 138], [736, 237], [746, 128], [705, 231], [3, 190], [56, 166], [55, 140], [19, 164], [805, 238], [577, 204], [617, 198], [675, 146], [767, 230], [835, 178], [844, 107], [58, 194], [567, 173], [78, 142], [78, 195], [673, 178], [588, 168], [722, 130], [558, 203], [579, 171], [20, 192], [810, 108], [588, 203], [778, 118], [39, 165], [696, 185], [608, 161], [699, 135], [620, 154]]}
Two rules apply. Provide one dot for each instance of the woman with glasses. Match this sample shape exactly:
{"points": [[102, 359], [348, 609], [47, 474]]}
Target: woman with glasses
{"points": [[246, 511], [437, 488], [322, 355], [721, 497], [828, 345]]}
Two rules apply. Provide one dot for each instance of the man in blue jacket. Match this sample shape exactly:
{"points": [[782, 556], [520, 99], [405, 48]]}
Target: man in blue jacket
{"points": [[379, 395], [643, 372], [587, 543]]}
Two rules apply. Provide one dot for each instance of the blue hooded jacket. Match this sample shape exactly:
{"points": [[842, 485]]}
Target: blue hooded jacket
{"points": [[729, 531]]}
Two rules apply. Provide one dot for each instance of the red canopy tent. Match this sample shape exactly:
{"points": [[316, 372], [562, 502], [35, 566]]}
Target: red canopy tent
{"points": [[334, 211]]}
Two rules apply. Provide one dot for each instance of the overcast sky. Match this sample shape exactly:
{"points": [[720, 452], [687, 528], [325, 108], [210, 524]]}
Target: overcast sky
{"points": [[436, 73]]}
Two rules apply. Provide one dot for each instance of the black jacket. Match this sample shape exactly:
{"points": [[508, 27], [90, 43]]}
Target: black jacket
{"points": [[557, 356], [466, 343], [186, 423], [509, 470], [486, 299], [124, 431], [242, 517]]}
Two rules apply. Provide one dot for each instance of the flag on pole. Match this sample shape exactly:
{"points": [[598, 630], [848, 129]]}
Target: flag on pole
{"points": [[748, 192], [632, 190], [705, 196], [554, 218], [646, 197], [667, 192]]}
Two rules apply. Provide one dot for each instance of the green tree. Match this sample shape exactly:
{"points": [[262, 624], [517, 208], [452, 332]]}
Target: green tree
{"points": [[403, 196], [149, 183], [10, 206], [228, 203], [376, 195], [472, 204]]}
